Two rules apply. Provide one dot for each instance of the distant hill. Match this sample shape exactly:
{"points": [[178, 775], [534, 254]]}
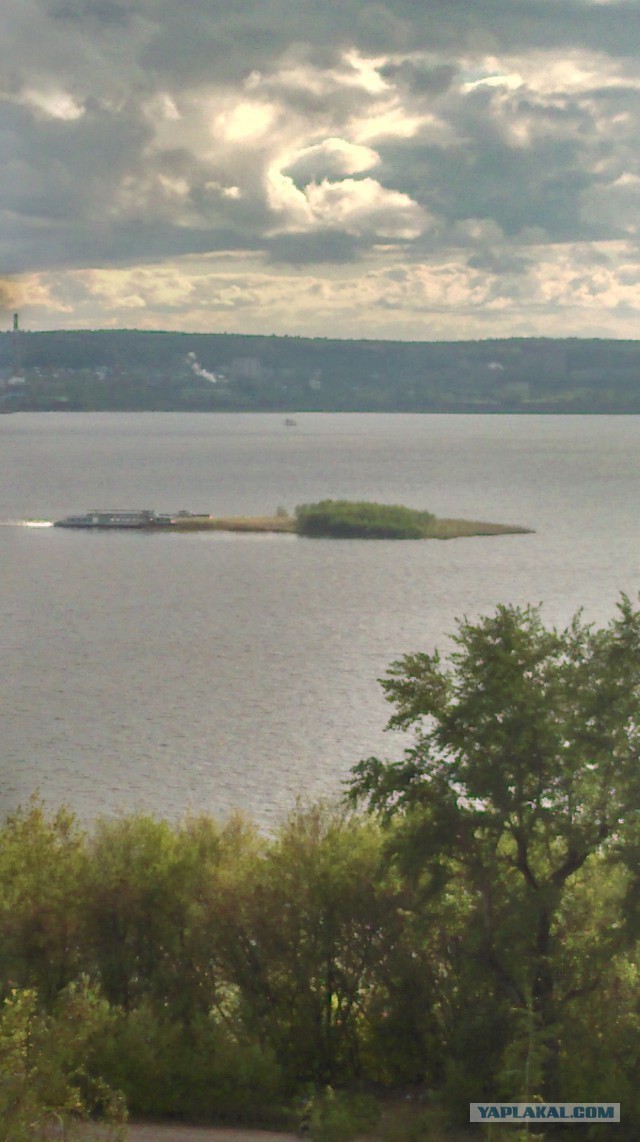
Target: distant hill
{"points": [[126, 369]]}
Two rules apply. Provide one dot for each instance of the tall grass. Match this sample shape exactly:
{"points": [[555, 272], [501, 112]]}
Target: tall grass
{"points": [[345, 519]]}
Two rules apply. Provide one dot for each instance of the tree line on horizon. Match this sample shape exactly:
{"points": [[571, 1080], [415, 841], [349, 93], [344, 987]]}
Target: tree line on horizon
{"points": [[120, 369], [465, 929]]}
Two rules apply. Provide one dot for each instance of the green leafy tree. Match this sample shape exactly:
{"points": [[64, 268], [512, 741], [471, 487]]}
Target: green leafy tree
{"points": [[176, 1046], [303, 932], [199, 1071], [42, 860], [143, 880], [127, 899], [524, 772]]}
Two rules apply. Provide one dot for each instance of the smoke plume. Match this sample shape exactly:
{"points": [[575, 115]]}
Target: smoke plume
{"points": [[199, 371]]}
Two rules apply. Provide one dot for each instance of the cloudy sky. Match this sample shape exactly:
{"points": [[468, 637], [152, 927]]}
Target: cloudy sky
{"points": [[415, 169]]}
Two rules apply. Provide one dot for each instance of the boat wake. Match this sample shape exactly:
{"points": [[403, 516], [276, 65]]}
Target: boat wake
{"points": [[26, 523]]}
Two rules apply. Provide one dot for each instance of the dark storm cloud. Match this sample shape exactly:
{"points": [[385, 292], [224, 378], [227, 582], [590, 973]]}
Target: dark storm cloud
{"points": [[268, 26], [517, 189], [63, 165], [515, 25], [523, 160], [236, 38], [499, 262], [58, 187], [196, 40], [423, 80], [315, 249], [98, 11], [125, 243]]}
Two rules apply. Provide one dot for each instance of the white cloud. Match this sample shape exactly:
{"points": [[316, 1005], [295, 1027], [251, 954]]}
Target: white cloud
{"points": [[389, 121], [245, 123], [363, 206], [444, 297], [233, 192], [52, 104], [511, 82], [334, 157], [356, 206]]}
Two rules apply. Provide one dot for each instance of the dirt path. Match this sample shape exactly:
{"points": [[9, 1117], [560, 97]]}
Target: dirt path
{"points": [[166, 1133], [163, 1132]]}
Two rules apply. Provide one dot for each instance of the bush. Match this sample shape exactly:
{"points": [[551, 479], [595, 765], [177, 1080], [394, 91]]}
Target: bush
{"points": [[338, 1117], [44, 1081], [198, 1072], [343, 519]]}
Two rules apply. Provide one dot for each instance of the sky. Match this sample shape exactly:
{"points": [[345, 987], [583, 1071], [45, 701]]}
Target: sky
{"points": [[400, 169]]}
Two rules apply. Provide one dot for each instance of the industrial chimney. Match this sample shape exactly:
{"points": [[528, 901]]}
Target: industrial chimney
{"points": [[15, 351]]}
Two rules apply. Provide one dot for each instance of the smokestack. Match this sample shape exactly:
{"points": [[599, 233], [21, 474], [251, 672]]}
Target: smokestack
{"points": [[15, 347]]}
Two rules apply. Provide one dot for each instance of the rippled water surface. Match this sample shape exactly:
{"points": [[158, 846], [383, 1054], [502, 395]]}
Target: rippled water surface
{"points": [[214, 671]]}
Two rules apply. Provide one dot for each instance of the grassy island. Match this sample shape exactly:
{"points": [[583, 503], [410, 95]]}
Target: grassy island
{"points": [[234, 523], [346, 519]]}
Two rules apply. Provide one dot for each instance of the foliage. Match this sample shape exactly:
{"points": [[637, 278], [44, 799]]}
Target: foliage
{"points": [[42, 862], [524, 774], [333, 1116], [344, 519], [141, 874], [302, 934], [43, 1080], [201, 1070]]}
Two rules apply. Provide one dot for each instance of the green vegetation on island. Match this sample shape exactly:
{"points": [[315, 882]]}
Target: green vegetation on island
{"points": [[472, 934], [345, 519]]}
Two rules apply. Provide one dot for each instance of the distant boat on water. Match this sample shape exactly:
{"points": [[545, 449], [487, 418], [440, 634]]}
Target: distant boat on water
{"points": [[290, 422]]}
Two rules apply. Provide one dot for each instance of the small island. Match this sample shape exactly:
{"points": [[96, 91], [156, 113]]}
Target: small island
{"points": [[328, 519], [346, 519]]}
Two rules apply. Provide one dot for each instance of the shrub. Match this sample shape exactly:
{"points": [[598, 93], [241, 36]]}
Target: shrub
{"points": [[200, 1071], [44, 1081], [343, 519], [338, 1117]]}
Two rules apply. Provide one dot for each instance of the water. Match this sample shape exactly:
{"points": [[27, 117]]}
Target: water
{"points": [[165, 672]]}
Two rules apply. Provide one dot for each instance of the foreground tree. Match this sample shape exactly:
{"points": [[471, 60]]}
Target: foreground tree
{"points": [[305, 933], [42, 862], [523, 779]]}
